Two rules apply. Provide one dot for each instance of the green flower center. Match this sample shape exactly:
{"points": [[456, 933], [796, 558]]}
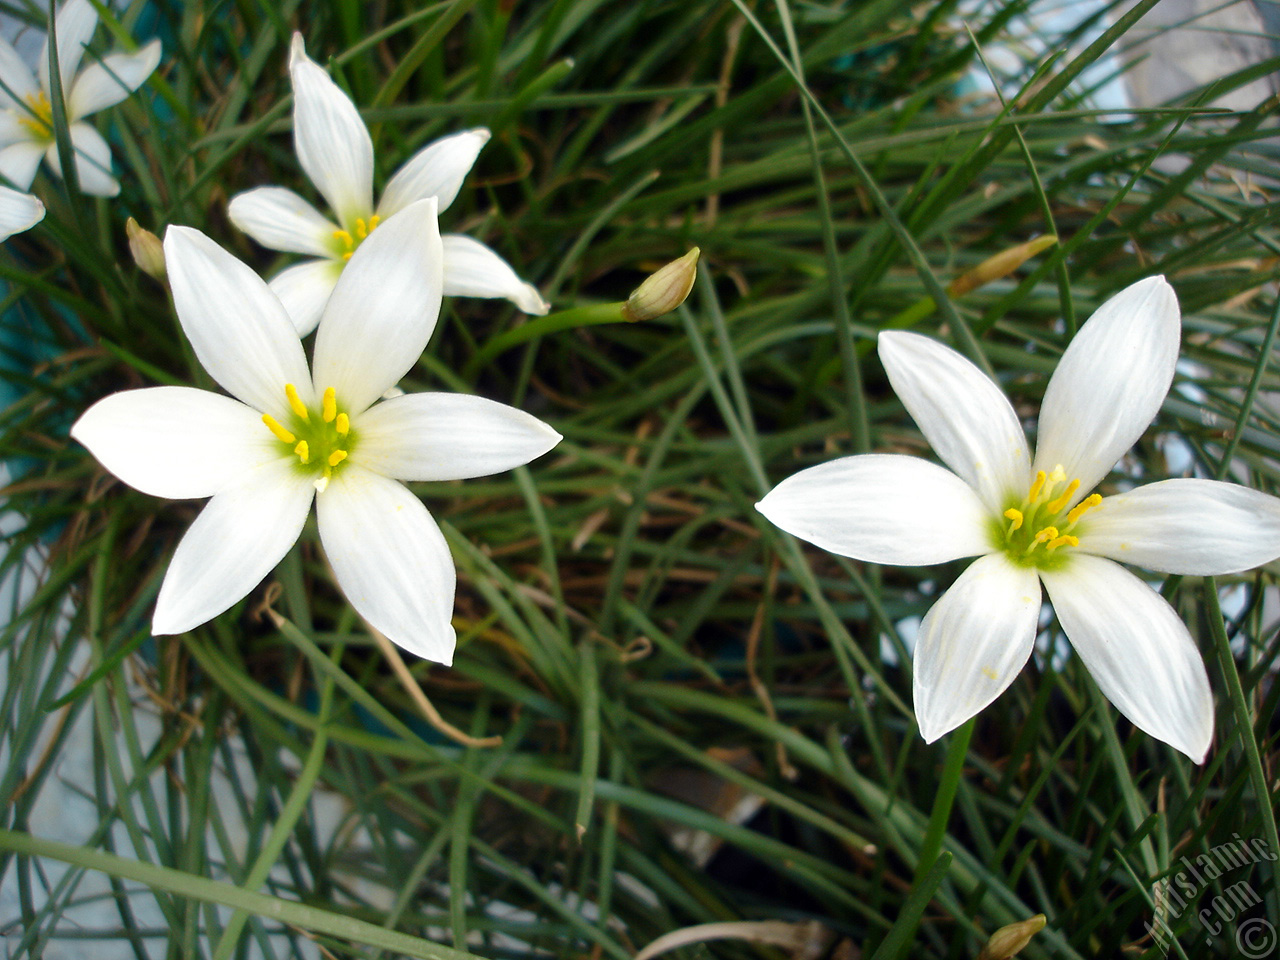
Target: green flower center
{"points": [[1034, 531], [321, 439], [39, 116], [348, 240]]}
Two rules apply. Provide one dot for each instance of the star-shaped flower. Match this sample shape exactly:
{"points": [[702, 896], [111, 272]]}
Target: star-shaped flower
{"points": [[26, 112], [1030, 522], [291, 435], [336, 153]]}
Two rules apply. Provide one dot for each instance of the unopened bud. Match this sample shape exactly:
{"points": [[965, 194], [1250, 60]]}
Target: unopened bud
{"points": [[1000, 265], [147, 250], [1007, 941], [664, 290]]}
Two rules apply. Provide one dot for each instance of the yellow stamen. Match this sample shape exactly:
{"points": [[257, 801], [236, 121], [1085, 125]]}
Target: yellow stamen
{"points": [[274, 426], [374, 221], [342, 424], [1047, 534], [362, 229], [1082, 507], [1037, 485], [338, 456], [1065, 540], [295, 403], [329, 408], [1056, 505], [40, 118], [303, 451], [1016, 517], [347, 256], [346, 239]]}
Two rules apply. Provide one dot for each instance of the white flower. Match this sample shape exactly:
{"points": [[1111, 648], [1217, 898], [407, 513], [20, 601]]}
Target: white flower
{"points": [[26, 114], [336, 153], [18, 211], [1030, 522], [291, 435]]}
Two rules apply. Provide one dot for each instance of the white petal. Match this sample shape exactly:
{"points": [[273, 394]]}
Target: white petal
{"points": [[73, 26], [107, 82], [1109, 386], [240, 332], [175, 442], [304, 289], [1192, 527], [473, 270], [236, 541], [18, 162], [391, 560], [884, 509], [93, 161], [279, 219], [437, 170], [1137, 649], [332, 141], [973, 642], [16, 76], [18, 211], [382, 311], [966, 418], [449, 436]]}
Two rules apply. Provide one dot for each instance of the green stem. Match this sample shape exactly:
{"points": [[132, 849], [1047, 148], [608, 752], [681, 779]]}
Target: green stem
{"points": [[931, 845], [1244, 723], [588, 316]]}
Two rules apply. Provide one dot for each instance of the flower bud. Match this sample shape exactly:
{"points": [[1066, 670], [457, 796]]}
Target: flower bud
{"points": [[1007, 941], [664, 290], [1000, 265], [147, 250]]}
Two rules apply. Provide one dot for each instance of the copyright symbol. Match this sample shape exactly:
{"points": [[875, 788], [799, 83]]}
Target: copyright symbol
{"points": [[1255, 939]]}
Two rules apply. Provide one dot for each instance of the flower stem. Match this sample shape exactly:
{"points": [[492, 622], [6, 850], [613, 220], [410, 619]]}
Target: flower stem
{"points": [[1245, 725], [953, 766]]}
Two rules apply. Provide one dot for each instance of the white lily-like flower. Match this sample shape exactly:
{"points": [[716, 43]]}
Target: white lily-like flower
{"points": [[26, 113], [291, 435], [336, 153], [1030, 522], [18, 211]]}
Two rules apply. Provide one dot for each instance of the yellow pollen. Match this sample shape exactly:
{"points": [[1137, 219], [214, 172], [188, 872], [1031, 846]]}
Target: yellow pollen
{"points": [[1037, 485], [338, 456], [274, 426], [1047, 534], [1015, 516], [347, 240], [303, 451], [1056, 505], [342, 424], [347, 256], [1065, 540], [40, 119], [295, 403], [329, 409], [1083, 507]]}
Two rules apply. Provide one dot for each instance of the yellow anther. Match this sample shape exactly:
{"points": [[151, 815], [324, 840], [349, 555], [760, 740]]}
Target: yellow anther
{"points": [[374, 221], [40, 119], [303, 451], [1063, 500], [362, 228], [296, 404], [342, 424], [338, 456], [1064, 541], [329, 408], [1015, 516], [1079, 510], [347, 256], [346, 239], [1047, 534], [274, 426], [1036, 485]]}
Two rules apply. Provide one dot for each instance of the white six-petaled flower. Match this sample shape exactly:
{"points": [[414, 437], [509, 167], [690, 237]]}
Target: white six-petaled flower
{"points": [[1030, 522], [26, 112], [336, 153], [291, 435]]}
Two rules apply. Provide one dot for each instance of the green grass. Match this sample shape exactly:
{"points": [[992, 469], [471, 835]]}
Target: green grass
{"points": [[626, 619]]}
